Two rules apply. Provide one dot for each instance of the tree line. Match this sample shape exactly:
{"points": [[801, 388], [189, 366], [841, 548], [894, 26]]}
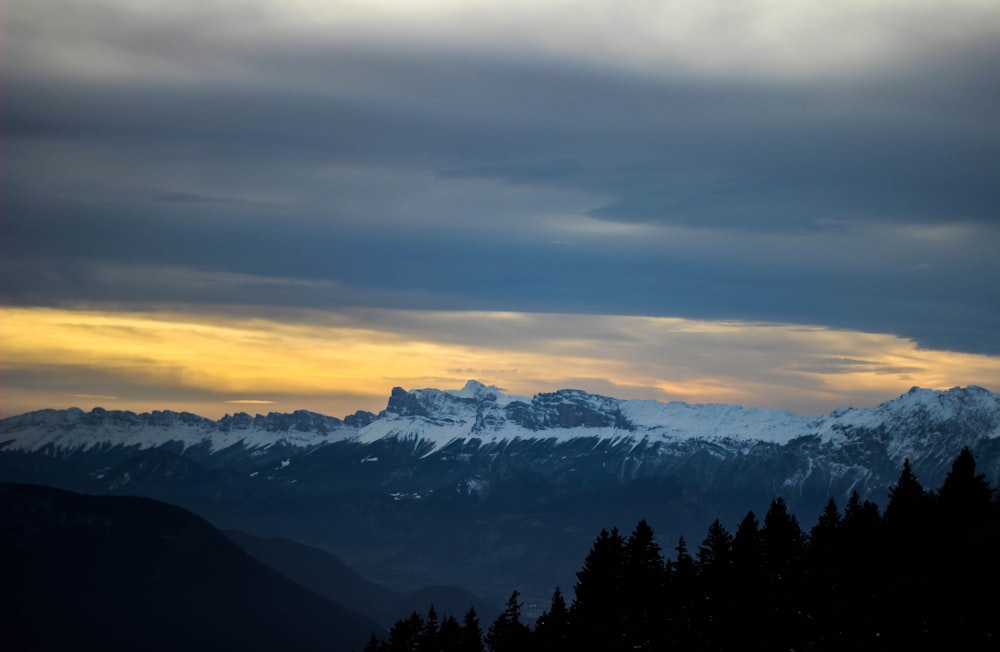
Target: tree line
{"points": [[925, 571]]}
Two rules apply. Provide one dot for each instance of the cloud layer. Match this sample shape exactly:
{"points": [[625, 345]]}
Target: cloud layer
{"points": [[828, 165]]}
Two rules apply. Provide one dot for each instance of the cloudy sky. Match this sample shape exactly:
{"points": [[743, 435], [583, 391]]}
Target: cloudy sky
{"points": [[264, 205]]}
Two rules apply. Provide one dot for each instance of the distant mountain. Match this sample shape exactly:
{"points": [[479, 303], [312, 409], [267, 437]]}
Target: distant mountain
{"points": [[321, 572], [124, 573], [491, 492]]}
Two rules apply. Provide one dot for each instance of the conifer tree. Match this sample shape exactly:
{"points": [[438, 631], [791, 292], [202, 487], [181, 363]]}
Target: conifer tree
{"points": [[681, 595], [861, 530], [715, 554], [824, 534], [825, 544], [783, 541], [864, 570], [748, 577], [908, 525], [374, 644], [508, 633], [596, 611], [748, 546], [682, 567], [449, 638], [715, 587], [966, 540], [642, 554], [472, 633], [405, 634], [861, 516], [826, 568], [783, 556], [642, 588], [908, 504], [965, 497], [427, 641], [552, 626]]}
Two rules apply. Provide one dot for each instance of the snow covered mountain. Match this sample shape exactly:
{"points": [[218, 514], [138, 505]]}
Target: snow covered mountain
{"points": [[928, 427], [457, 485]]}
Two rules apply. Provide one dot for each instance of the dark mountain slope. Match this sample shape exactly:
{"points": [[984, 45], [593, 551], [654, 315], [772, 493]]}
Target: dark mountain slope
{"points": [[323, 573], [112, 573]]}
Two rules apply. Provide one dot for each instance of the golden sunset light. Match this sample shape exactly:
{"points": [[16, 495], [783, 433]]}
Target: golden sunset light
{"points": [[334, 364]]}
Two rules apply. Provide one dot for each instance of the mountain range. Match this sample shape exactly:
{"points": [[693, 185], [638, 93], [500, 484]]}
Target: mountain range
{"points": [[490, 492]]}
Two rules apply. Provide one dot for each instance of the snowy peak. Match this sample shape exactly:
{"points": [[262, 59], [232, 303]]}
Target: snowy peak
{"points": [[486, 413], [436, 403], [486, 409], [477, 390], [946, 403], [427, 403], [971, 404]]}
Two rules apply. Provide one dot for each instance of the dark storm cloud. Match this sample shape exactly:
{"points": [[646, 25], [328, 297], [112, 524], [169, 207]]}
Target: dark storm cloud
{"points": [[410, 177]]}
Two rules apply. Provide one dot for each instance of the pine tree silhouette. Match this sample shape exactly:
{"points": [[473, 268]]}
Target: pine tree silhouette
{"points": [[783, 556], [965, 497], [642, 589], [405, 634], [748, 547], [374, 644], [715, 554], [508, 633], [472, 633], [552, 626], [863, 579], [826, 565], [682, 596], [908, 524], [966, 541], [596, 612], [449, 637], [906, 512], [715, 603], [427, 640]]}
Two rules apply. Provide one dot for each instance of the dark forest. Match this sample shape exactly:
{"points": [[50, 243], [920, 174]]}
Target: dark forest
{"points": [[923, 571]]}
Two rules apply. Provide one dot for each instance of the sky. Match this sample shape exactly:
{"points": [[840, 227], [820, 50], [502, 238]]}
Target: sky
{"points": [[264, 205]]}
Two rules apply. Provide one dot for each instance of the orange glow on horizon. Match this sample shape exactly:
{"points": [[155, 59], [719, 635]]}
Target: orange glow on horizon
{"points": [[338, 363]]}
